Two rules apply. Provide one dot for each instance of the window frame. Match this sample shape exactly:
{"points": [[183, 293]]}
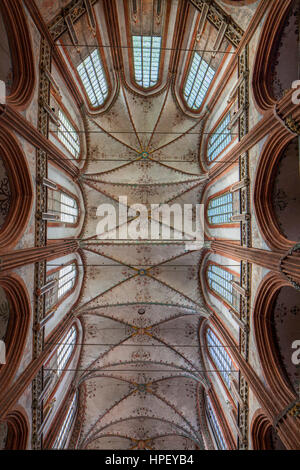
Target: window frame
{"points": [[73, 407], [57, 102], [59, 377], [66, 116], [60, 190], [219, 135], [235, 277], [69, 292], [141, 37], [224, 376], [194, 80], [215, 197], [105, 76], [213, 420]]}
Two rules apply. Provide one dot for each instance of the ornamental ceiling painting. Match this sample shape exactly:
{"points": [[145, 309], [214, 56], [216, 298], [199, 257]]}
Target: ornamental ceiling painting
{"points": [[141, 370]]}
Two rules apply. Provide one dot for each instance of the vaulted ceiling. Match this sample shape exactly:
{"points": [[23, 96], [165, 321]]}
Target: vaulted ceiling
{"points": [[141, 373]]}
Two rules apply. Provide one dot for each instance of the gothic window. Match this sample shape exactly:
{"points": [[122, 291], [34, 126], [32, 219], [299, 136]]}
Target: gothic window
{"points": [[198, 81], [65, 280], [62, 437], [220, 209], [219, 140], [146, 56], [65, 349], [220, 281], [219, 356], [215, 427], [55, 366], [63, 206], [92, 75], [68, 135]]}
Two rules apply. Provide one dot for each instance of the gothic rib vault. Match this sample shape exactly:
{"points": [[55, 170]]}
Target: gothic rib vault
{"points": [[139, 374], [130, 344]]}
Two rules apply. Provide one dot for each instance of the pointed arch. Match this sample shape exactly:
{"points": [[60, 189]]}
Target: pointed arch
{"points": [[24, 76], [219, 281], [19, 321], [21, 189], [263, 188], [268, 353], [17, 429], [270, 34], [65, 279]]}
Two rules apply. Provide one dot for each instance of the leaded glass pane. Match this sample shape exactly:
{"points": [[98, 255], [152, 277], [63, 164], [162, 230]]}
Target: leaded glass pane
{"points": [[219, 280], [219, 140], [220, 209], [215, 426], [219, 356], [64, 351], [198, 81], [66, 279], [61, 439], [69, 209], [92, 75], [146, 55], [68, 135]]}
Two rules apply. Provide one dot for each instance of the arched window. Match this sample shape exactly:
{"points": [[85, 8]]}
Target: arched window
{"points": [[54, 368], [62, 436], [215, 427], [220, 209], [220, 281], [219, 139], [198, 81], [219, 356], [92, 75], [67, 134], [65, 280], [63, 206], [65, 349], [146, 55]]}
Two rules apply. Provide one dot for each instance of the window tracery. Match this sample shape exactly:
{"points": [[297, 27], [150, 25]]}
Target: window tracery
{"points": [[62, 436], [68, 135], [219, 139], [215, 427], [92, 75], [146, 55], [199, 78], [63, 206], [65, 280], [220, 281], [54, 368], [220, 209], [219, 356]]}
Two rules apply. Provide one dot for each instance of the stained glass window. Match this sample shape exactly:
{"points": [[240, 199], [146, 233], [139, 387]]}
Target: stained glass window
{"points": [[219, 139], [68, 135], [146, 56], [61, 439], [198, 81], [92, 75], [215, 426], [220, 209]]}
